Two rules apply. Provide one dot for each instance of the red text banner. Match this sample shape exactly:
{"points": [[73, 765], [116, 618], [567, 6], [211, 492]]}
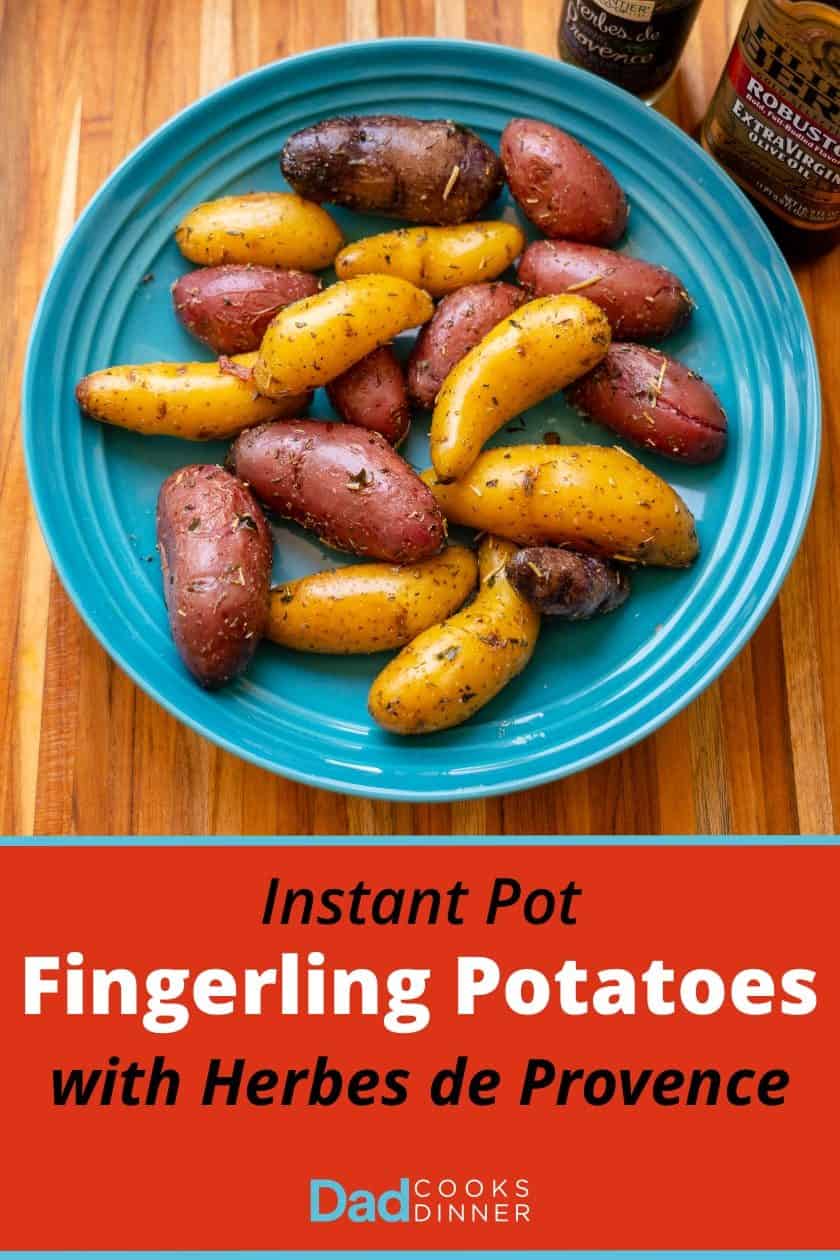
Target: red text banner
{"points": [[403, 1047]]}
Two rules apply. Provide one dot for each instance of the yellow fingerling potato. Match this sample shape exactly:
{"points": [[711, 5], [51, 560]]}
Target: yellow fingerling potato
{"points": [[314, 340], [199, 401], [437, 259], [273, 229], [595, 498], [370, 607], [540, 348], [447, 673]]}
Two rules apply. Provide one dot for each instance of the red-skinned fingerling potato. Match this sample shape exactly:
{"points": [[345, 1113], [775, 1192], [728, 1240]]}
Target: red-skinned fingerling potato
{"points": [[344, 483], [372, 394], [230, 307], [560, 184], [215, 555], [459, 323], [642, 301], [655, 402]]}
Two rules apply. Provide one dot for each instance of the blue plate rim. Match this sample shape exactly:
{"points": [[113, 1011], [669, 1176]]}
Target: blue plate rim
{"points": [[812, 405]]}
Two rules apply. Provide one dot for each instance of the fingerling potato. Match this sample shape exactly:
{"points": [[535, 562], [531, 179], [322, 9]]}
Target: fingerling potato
{"points": [[458, 324], [345, 483], [230, 307], [560, 185], [198, 401], [597, 499], [372, 394], [313, 341], [654, 401], [568, 584], [370, 607], [540, 348], [437, 259], [273, 229], [215, 554], [426, 172], [642, 301], [451, 670]]}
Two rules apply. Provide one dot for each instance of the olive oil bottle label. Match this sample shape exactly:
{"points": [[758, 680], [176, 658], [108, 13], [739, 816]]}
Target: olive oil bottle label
{"points": [[774, 122]]}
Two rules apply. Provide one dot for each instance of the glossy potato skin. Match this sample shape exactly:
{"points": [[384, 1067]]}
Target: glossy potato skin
{"points": [[452, 670], [536, 351], [642, 301], [230, 307], [459, 323], [271, 229], [560, 185], [437, 259], [396, 166], [364, 608], [654, 401], [197, 401], [597, 499], [215, 555], [311, 342], [568, 584], [372, 394], [344, 483]]}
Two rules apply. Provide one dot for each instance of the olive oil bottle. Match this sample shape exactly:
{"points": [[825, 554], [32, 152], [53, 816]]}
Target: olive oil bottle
{"points": [[774, 121]]}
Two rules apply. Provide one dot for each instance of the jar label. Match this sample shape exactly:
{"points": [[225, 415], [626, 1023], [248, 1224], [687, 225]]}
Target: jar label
{"points": [[632, 10], [635, 43], [775, 119]]}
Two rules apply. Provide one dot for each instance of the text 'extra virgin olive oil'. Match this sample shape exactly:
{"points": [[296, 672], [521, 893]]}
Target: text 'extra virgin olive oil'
{"points": [[634, 43], [774, 121]]}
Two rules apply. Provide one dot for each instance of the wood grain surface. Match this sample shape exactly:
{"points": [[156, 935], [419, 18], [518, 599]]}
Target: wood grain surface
{"points": [[83, 750]]}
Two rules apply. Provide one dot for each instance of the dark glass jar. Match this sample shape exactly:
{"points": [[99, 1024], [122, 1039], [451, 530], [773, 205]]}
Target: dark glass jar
{"points": [[634, 43]]}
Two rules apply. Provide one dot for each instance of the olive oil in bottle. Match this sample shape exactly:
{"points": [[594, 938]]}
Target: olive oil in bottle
{"points": [[634, 43], [774, 121]]}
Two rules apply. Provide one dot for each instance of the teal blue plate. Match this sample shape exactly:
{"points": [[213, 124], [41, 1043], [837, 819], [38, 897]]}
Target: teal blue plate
{"points": [[591, 689]]}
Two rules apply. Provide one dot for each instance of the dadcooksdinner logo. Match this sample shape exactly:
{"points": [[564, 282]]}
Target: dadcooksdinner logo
{"points": [[423, 1200]]}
